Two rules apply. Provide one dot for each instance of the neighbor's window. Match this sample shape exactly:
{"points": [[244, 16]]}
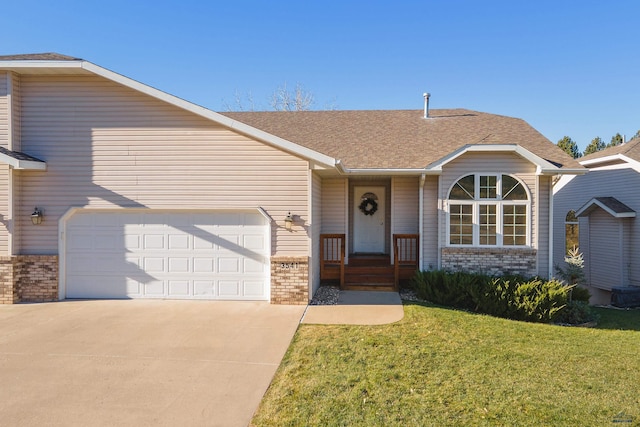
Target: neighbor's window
{"points": [[488, 210], [571, 231]]}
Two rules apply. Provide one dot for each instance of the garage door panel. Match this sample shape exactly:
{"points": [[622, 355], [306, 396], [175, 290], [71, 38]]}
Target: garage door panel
{"points": [[167, 255], [204, 265], [179, 265]]}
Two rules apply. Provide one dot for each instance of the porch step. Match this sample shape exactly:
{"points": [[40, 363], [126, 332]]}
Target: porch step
{"points": [[370, 273], [369, 260]]}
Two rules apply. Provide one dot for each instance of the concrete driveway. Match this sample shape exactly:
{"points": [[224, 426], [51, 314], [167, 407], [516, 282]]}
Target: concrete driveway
{"points": [[139, 362]]}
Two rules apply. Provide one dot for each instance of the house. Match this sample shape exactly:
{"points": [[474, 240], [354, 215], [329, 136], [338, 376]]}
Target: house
{"points": [[599, 211], [110, 188]]}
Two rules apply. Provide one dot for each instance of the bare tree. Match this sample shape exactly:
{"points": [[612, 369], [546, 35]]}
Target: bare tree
{"points": [[240, 103], [299, 99]]}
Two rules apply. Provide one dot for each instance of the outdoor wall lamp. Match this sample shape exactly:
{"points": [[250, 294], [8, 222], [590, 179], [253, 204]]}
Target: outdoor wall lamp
{"points": [[36, 216], [288, 221]]}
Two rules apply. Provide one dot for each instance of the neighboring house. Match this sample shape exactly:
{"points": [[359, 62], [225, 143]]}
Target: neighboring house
{"points": [[144, 195], [599, 211]]}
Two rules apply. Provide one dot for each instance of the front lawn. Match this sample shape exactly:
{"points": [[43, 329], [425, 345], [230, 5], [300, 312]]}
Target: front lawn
{"points": [[446, 367]]}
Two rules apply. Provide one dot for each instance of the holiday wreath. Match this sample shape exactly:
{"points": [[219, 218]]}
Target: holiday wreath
{"points": [[368, 206]]}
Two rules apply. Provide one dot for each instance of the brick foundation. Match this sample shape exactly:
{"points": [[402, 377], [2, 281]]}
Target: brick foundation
{"points": [[28, 278], [290, 280], [491, 261]]}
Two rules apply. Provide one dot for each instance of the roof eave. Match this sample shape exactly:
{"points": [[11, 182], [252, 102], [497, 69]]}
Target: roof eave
{"points": [[265, 137], [22, 164], [543, 167], [383, 171]]}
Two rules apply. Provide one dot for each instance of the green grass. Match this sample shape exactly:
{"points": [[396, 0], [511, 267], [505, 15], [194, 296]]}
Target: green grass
{"points": [[446, 367]]}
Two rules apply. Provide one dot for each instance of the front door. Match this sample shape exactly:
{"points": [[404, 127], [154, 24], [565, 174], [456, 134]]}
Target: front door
{"points": [[368, 219]]}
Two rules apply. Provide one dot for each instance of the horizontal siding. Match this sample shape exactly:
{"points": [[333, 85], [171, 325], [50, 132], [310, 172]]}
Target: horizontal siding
{"points": [[4, 169], [504, 163], [572, 193], [430, 228], [109, 146], [605, 262], [405, 205], [541, 232], [316, 222], [334, 213]]}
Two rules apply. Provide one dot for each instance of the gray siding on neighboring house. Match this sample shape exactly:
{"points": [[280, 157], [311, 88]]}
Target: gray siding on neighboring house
{"points": [[571, 193], [605, 263], [109, 146]]}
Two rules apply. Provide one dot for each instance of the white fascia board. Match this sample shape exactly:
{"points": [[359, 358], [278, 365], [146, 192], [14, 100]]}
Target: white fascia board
{"points": [[382, 171], [22, 164], [212, 115], [589, 206], [593, 163], [543, 167], [18, 64]]}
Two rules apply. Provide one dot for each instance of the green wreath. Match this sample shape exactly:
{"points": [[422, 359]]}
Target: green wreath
{"points": [[368, 206]]}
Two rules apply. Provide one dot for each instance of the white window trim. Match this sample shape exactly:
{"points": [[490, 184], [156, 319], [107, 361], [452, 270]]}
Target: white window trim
{"points": [[498, 202]]}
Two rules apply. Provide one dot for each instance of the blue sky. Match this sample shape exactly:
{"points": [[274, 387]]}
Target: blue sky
{"points": [[566, 67]]}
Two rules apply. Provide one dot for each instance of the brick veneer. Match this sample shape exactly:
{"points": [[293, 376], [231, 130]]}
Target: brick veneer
{"points": [[290, 280], [28, 278], [492, 261]]}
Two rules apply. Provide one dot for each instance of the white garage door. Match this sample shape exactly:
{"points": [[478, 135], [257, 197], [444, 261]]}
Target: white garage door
{"points": [[177, 255]]}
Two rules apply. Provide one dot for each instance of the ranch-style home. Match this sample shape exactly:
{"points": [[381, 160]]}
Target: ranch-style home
{"points": [[597, 213], [110, 188]]}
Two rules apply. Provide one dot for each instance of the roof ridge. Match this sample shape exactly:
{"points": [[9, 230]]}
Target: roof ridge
{"points": [[46, 56]]}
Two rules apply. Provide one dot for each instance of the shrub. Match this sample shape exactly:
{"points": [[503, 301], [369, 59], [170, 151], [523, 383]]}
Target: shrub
{"points": [[533, 300], [576, 313]]}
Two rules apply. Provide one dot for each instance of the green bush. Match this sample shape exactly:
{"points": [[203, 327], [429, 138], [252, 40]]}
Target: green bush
{"points": [[511, 297], [576, 313], [579, 293]]}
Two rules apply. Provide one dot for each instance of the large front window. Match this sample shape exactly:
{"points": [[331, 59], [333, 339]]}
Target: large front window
{"points": [[488, 210]]}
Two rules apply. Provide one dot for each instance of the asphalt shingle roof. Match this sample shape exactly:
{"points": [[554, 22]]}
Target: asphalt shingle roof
{"points": [[630, 149], [400, 138], [51, 56]]}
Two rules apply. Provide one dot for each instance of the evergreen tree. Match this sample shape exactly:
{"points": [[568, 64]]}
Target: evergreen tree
{"points": [[569, 146], [596, 144], [615, 140]]}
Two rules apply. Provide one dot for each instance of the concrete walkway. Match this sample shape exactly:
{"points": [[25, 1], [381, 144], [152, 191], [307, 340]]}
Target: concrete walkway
{"points": [[358, 308]]}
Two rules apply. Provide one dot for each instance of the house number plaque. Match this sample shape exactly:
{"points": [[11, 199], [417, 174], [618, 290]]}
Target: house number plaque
{"points": [[289, 265]]}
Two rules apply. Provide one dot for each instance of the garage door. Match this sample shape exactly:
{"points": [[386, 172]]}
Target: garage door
{"points": [[175, 255]]}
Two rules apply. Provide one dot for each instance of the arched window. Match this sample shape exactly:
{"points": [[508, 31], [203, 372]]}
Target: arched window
{"points": [[488, 210], [571, 231]]}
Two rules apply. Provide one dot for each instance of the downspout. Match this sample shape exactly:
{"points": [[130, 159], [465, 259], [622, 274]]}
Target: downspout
{"points": [[421, 222]]}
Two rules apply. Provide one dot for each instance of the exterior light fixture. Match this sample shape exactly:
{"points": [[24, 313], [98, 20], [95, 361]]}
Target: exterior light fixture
{"points": [[36, 216], [288, 221]]}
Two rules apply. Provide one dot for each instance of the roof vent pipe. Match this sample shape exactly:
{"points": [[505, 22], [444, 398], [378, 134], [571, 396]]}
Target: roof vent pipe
{"points": [[426, 104]]}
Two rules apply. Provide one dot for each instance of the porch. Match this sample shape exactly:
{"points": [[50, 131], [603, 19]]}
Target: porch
{"points": [[368, 271]]}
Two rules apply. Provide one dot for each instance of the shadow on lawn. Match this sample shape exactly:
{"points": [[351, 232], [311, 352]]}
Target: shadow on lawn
{"points": [[619, 319]]}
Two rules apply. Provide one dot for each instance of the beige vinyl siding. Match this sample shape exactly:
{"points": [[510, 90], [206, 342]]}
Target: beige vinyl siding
{"points": [[334, 212], [542, 231], [110, 146], [4, 168], [405, 205], [501, 163], [316, 223], [431, 213]]}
